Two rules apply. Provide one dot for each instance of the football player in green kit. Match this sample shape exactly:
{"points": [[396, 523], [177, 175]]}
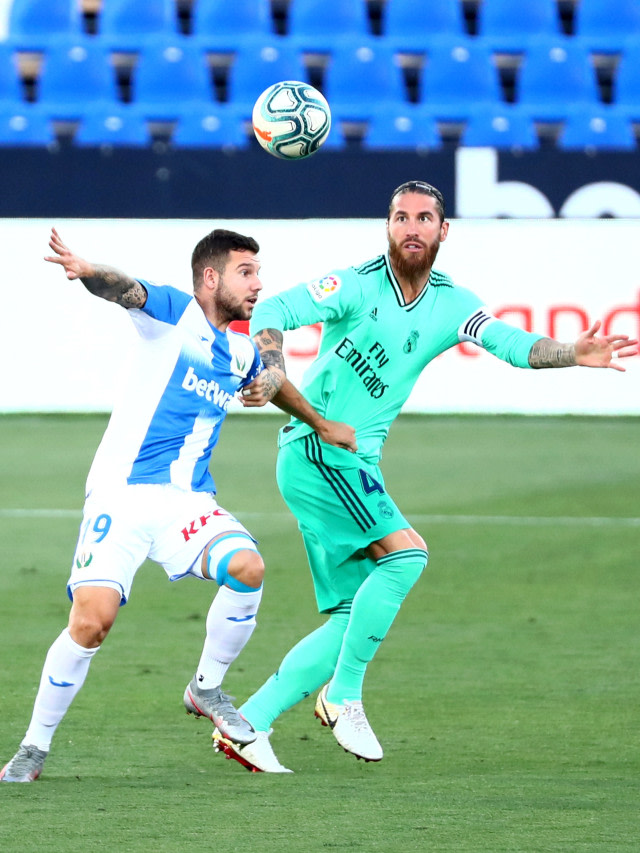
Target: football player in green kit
{"points": [[383, 322]]}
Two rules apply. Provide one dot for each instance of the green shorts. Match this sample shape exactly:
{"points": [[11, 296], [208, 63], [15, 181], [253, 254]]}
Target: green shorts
{"points": [[340, 511]]}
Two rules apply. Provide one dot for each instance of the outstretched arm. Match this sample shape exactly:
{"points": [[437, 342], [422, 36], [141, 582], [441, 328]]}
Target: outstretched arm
{"points": [[273, 386], [588, 351], [106, 282]]}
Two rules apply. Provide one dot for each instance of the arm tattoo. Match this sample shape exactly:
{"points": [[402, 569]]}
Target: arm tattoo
{"points": [[269, 339], [115, 286], [549, 353], [273, 359], [269, 343], [272, 382]]}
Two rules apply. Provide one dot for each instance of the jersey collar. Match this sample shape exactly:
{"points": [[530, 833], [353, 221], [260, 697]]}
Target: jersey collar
{"points": [[408, 306]]}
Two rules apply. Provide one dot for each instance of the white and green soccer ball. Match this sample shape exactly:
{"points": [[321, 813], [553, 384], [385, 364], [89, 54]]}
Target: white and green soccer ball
{"points": [[291, 120]]}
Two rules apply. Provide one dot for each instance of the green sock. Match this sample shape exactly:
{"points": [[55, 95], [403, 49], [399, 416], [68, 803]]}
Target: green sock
{"points": [[304, 669], [374, 608]]}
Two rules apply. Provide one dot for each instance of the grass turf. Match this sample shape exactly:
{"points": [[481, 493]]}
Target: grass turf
{"points": [[505, 695]]}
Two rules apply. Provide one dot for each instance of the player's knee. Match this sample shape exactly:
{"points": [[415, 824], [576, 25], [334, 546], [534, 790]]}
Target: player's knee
{"points": [[93, 612], [403, 568], [89, 628], [246, 567], [232, 560]]}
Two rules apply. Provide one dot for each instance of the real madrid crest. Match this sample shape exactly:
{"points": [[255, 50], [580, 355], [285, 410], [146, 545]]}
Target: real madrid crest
{"points": [[412, 342]]}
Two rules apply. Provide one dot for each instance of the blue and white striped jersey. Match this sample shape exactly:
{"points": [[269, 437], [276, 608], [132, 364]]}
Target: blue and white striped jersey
{"points": [[175, 397]]}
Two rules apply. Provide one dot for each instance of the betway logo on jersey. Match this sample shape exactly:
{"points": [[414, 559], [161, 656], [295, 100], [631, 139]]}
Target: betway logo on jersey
{"points": [[211, 391]]}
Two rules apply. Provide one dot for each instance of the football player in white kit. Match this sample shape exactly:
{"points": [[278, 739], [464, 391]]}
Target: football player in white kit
{"points": [[149, 490]]}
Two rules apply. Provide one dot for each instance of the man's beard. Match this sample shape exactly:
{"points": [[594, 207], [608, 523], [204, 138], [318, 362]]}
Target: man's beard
{"points": [[228, 305], [414, 268]]}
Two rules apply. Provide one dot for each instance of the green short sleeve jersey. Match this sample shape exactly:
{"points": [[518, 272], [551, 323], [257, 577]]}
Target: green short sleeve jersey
{"points": [[375, 345]]}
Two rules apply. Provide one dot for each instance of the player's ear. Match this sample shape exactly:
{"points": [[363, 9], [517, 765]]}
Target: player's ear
{"points": [[210, 278], [444, 230]]}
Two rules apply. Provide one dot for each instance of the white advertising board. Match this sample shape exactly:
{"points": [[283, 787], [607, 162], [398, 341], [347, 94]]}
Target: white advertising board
{"points": [[63, 350]]}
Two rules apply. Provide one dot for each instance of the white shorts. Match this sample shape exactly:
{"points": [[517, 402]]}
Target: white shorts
{"points": [[124, 526]]}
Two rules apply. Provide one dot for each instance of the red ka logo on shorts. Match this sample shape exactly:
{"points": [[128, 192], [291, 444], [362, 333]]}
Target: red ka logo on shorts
{"points": [[194, 526]]}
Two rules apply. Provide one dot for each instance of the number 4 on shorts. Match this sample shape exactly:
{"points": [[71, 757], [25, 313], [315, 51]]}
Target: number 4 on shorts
{"points": [[370, 484]]}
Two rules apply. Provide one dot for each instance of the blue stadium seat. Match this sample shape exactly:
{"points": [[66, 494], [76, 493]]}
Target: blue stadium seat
{"points": [[124, 25], [336, 141], [24, 125], [221, 26], [459, 75], [409, 27], [506, 26], [360, 79], [257, 67], [317, 26], [400, 128], [602, 128], [502, 126], [626, 82], [554, 74], [170, 74], [213, 126], [34, 23], [115, 125], [73, 75], [603, 25], [10, 85]]}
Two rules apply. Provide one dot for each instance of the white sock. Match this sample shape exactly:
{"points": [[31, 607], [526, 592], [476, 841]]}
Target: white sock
{"points": [[65, 669], [230, 623]]}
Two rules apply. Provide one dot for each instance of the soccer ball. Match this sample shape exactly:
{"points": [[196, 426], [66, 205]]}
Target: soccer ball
{"points": [[291, 120]]}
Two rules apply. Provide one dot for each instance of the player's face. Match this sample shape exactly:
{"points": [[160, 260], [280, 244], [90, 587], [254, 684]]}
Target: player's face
{"points": [[239, 285], [415, 231]]}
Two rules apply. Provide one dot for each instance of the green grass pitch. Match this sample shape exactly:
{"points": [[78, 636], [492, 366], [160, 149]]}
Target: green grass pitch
{"points": [[506, 695]]}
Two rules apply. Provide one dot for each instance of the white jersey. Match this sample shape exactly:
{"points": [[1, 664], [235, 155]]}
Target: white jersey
{"points": [[176, 396]]}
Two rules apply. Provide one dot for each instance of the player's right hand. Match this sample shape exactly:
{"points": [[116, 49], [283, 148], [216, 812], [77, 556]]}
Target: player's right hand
{"points": [[338, 434], [74, 266]]}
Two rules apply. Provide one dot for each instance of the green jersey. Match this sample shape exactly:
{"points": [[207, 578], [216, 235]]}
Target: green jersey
{"points": [[375, 344]]}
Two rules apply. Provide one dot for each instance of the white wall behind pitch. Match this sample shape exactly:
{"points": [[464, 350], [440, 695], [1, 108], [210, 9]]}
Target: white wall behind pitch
{"points": [[64, 350]]}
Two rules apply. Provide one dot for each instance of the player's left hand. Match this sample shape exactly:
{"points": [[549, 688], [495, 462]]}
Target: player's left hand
{"points": [[593, 351]]}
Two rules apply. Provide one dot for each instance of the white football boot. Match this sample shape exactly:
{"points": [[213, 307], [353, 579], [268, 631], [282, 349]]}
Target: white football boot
{"points": [[350, 726], [257, 757]]}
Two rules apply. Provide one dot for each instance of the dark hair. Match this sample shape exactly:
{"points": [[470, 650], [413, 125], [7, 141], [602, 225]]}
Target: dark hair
{"points": [[213, 251], [419, 187]]}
